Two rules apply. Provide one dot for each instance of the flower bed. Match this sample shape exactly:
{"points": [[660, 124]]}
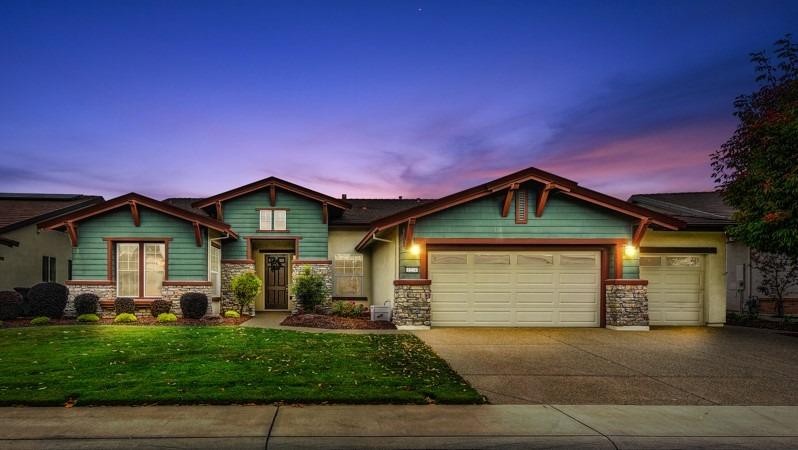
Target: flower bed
{"points": [[143, 320], [335, 322]]}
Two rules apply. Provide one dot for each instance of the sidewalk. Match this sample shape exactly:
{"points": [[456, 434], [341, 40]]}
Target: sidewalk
{"points": [[400, 426]]}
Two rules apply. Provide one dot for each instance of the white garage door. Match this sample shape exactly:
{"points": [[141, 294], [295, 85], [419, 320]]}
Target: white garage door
{"points": [[515, 288], [675, 288]]}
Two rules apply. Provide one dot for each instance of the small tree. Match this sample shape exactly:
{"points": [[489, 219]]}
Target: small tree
{"points": [[779, 274], [246, 287], [309, 289]]}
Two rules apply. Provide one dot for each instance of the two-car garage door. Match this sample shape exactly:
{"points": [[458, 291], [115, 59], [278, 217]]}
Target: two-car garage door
{"points": [[515, 288]]}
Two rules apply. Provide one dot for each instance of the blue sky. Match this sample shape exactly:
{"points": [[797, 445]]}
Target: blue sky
{"points": [[371, 98]]}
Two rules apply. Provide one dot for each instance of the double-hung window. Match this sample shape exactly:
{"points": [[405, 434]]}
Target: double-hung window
{"points": [[273, 220], [348, 270], [214, 269], [140, 269]]}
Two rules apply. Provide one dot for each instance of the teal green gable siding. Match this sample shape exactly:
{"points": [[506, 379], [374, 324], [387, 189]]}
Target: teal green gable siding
{"points": [[563, 217], [304, 219], [186, 260]]}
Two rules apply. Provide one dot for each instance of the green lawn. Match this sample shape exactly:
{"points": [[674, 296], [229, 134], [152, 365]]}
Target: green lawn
{"points": [[111, 364]]}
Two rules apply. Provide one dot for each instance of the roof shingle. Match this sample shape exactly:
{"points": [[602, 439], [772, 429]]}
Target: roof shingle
{"points": [[696, 209], [17, 210]]}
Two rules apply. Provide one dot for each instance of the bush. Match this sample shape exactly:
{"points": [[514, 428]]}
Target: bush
{"points": [[348, 309], [245, 287], [194, 305], [86, 304], [124, 305], [125, 318], [25, 305], [42, 320], [309, 289], [10, 305], [232, 314], [167, 317], [48, 299], [90, 317], [160, 306]]}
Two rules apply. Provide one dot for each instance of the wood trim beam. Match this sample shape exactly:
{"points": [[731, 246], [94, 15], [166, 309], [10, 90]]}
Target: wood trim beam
{"points": [[272, 194], [508, 199], [324, 213], [88, 283], [522, 241], [640, 232], [219, 211], [134, 211], [198, 234], [543, 198], [688, 250], [411, 224], [72, 230], [412, 282], [618, 260]]}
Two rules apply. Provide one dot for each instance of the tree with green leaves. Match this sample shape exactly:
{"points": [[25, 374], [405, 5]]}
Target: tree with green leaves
{"points": [[756, 170], [779, 275], [245, 287]]}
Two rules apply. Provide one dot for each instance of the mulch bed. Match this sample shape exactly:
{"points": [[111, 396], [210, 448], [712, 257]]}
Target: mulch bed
{"points": [[147, 320], [761, 323], [335, 322]]}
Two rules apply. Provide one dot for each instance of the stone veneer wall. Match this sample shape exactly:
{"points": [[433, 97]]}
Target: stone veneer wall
{"points": [[323, 268], [230, 271], [411, 303], [104, 292], [627, 303], [173, 294]]}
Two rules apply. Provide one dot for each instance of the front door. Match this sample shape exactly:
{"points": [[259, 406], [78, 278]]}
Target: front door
{"points": [[276, 277]]}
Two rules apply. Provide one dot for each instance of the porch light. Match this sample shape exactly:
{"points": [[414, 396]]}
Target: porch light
{"points": [[415, 250], [630, 250]]}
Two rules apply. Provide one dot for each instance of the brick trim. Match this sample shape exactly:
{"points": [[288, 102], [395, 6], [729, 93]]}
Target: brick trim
{"points": [[627, 282], [421, 282]]}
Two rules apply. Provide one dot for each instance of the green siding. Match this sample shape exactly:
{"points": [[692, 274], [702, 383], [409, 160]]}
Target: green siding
{"points": [[564, 217], [186, 260], [303, 220]]}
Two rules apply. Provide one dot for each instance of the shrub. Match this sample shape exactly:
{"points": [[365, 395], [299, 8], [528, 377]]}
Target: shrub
{"points": [[309, 289], [232, 314], [166, 317], [25, 305], [10, 305], [124, 305], [245, 287], [89, 317], [348, 309], [42, 320], [125, 318], [160, 306], [86, 304], [194, 305], [48, 299]]}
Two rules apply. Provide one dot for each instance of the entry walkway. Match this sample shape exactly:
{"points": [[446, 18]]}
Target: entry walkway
{"points": [[272, 319], [403, 426]]}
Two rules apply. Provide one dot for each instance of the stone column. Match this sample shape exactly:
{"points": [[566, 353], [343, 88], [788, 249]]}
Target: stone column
{"points": [[411, 304], [230, 271], [321, 267], [627, 304], [104, 292]]}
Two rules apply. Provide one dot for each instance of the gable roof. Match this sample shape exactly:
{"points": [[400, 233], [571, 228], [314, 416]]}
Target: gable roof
{"points": [[563, 185], [277, 183], [185, 204], [18, 210], [137, 199], [699, 210]]}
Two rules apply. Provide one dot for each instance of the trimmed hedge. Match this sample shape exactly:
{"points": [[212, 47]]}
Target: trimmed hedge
{"points": [[232, 314], [88, 318], [160, 306], [86, 304], [48, 299], [10, 305], [25, 305], [194, 305], [125, 318], [124, 305], [167, 317], [42, 320]]}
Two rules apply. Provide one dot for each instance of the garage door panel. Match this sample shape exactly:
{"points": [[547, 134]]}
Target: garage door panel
{"points": [[533, 298], [580, 318], [528, 278], [675, 292], [451, 277], [590, 298], [534, 317]]}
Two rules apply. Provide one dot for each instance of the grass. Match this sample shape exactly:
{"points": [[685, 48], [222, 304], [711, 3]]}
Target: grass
{"points": [[126, 365]]}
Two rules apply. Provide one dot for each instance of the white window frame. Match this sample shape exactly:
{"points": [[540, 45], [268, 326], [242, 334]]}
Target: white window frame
{"points": [[361, 276], [215, 253], [138, 267], [267, 218], [141, 268]]}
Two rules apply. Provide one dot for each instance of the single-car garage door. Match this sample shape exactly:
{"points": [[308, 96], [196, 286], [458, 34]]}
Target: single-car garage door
{"points": [[515, 288], [675, 288]]}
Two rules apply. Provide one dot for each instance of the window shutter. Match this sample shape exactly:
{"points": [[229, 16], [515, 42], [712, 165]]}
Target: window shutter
{"points": [[52, 269], [45, 268]]}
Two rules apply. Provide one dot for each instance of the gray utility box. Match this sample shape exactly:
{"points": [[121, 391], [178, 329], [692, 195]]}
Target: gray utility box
{"points": [[381, 313]]}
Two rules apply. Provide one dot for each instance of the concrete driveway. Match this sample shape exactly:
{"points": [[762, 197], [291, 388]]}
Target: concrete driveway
{"points": [[665, 366]]}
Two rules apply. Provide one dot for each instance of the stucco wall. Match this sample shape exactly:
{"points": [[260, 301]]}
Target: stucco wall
{"points": [[384, 268], [344, 241], [715, 267], [22, 266]]}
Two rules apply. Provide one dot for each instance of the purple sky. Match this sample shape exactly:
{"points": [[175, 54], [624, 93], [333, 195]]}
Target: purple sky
{"points": [[371, 98]]}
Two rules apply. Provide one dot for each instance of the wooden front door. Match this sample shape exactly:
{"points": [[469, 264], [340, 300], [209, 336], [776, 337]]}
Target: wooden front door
{"points": [[276, 277]]}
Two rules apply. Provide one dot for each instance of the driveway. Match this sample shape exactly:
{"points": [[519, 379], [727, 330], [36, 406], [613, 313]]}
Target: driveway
{"points": [[665, 366]]}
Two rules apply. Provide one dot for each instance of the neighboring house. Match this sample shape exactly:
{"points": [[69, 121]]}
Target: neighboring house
{"points": [[527, 249], [27, 255], [707, 215]]}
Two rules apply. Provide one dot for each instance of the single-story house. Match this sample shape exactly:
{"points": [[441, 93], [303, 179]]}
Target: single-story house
{"points": [[28, 256], [529, 249], [707, 216]]}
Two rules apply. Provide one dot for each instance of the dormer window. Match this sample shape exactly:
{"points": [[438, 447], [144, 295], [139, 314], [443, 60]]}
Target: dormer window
{"points": [[273, 220]]}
